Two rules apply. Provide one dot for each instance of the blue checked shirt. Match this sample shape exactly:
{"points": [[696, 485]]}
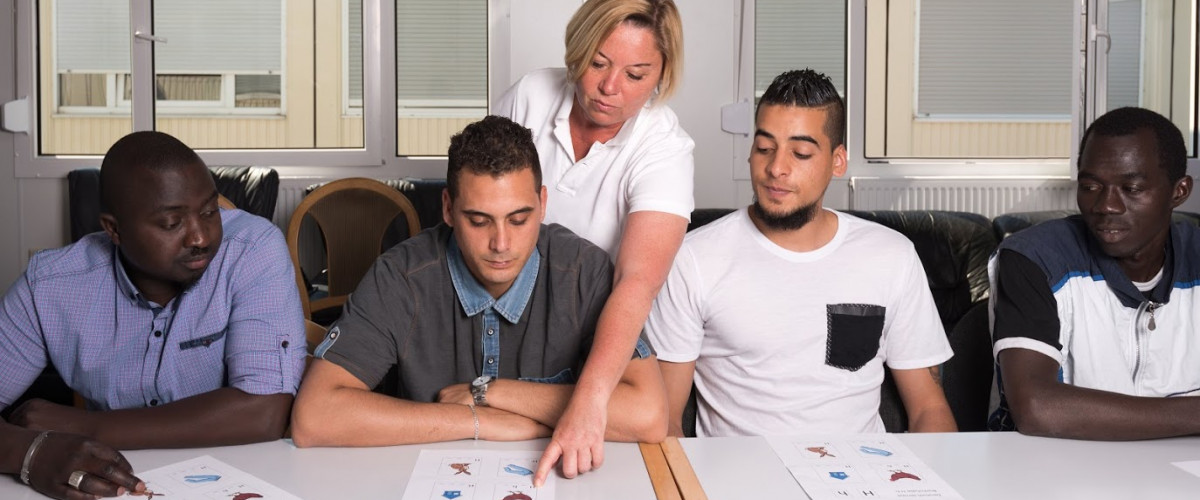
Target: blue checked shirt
{"points": [[239, 326]]}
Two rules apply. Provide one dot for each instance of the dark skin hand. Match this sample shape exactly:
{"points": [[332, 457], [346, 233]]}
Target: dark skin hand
{"points": [[60, 454], [1043, 406], [226, 416]]}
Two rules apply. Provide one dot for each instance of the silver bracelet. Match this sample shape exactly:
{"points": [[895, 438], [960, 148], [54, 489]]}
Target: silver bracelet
{"points": [[475, 415], [33, 448]]}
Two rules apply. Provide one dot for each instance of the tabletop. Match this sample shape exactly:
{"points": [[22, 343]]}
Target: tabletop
{"points": [[979, 465], [378, 473]]}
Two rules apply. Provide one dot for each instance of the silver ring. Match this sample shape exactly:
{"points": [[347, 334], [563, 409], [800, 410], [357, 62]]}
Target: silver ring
{"points": [[76, 478]]}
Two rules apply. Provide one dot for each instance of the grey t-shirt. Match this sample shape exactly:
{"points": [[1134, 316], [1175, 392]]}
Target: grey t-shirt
{"points": [[406, 314]]}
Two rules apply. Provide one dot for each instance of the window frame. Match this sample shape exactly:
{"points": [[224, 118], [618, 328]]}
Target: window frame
{"points": [[1083, 97], [377, 157]]}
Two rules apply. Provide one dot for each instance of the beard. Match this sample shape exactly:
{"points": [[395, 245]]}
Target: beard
{"points": [[789, 221]]}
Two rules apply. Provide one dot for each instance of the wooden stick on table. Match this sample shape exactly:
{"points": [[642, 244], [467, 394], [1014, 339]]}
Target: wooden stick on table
{"points": [[681, 470], [660, 472]]}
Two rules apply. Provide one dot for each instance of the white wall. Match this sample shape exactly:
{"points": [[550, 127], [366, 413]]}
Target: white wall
{"points": [[11, 261]]}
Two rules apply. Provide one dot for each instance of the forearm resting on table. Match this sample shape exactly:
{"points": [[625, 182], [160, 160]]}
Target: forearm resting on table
{"points": [[635, 412], [15, 442], [1043, 406], [226, 416], [335, 408]]}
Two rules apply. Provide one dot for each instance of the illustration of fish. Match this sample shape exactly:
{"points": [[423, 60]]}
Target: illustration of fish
{"points": [[201, 478], [875, 451], [517, 469]]}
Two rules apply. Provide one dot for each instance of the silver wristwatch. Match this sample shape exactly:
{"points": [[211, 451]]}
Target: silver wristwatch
{"points": [[479, 389]]}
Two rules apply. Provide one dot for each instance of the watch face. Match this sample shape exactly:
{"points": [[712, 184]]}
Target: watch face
{"points": [[481, 381]]}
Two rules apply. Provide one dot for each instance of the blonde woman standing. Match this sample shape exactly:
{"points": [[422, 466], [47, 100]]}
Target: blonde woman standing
{"points": [[619, 172]]}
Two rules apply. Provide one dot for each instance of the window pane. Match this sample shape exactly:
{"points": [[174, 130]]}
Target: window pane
{"points": [[969, 78], [228, 78], [257, 91], [83, 47], [441, 71], [798, 34], [1151, 62]]}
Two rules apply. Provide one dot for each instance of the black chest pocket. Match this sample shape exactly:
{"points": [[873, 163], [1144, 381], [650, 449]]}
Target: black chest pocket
{"points": [[854, 331]]}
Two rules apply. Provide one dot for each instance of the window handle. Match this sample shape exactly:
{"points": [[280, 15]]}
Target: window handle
{"points": [[1098, 34], [139, 34]]}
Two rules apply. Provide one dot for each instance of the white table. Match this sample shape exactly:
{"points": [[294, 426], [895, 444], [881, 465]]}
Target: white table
{"points": [[378, 473], [979, 465]]}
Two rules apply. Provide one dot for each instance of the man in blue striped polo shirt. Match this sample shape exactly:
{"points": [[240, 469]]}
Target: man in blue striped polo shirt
{"points": [[1096, 314], [179, 325]]}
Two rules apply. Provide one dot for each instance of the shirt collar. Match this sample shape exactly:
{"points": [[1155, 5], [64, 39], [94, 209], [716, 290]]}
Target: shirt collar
{"points": [[128, 289], [475, 299]]}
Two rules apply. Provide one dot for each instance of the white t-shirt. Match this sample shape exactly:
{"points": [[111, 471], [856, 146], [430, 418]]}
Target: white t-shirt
{"points": [[793, 342], [646, 166]]}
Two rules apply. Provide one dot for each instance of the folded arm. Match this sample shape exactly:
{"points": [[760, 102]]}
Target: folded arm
{"points": [[335, 408], [1043, 406], [636, 411]]}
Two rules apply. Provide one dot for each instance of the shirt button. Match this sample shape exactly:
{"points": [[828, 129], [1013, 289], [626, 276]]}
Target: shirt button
{"points": [[153, 402], [158, 333], [491, 360], [284, 344], [491, 331]]}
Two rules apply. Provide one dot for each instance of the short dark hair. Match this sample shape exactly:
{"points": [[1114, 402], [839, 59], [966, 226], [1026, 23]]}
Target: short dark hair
{"points": [[1172, 152], [146, 149], [806, 88], [494, 146]]}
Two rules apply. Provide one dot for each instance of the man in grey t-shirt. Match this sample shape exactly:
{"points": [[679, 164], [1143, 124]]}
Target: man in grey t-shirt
{"points": [[486, 321]]}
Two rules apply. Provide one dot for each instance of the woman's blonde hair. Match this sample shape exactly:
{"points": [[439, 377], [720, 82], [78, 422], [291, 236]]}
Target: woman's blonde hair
{"points": [[597, 19]]}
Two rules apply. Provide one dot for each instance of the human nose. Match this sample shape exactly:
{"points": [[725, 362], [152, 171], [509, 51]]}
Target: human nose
{"points": [[610, 83], [777, 166], [197, 234], [1109, 201], [500, 239]]}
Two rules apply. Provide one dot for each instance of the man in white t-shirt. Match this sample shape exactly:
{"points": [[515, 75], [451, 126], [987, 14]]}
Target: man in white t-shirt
{"points": [[784, 312]]}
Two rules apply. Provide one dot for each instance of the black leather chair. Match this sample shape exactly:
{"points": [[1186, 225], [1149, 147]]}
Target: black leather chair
{"points": [[954, 248], [253, 189]]}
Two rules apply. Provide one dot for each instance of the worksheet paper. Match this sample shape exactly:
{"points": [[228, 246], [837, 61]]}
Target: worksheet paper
{"points": [[1192, 466], [875, 466], [206, 478], [477, 475]]}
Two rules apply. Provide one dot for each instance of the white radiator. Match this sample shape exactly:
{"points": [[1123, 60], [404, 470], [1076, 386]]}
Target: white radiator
{"points": [[987, 196]]}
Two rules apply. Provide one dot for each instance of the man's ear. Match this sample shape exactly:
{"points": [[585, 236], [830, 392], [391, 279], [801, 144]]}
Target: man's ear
{"points": [[840, 161], [109, 223], [447, 205], [542, 199], [1181, 191]]}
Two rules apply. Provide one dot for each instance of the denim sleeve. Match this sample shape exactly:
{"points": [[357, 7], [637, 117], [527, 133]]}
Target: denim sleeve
{"points": [[265, 348]]}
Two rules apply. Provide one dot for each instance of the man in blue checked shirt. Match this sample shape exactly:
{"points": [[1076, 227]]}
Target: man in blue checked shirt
{"points": [[179, 325]]}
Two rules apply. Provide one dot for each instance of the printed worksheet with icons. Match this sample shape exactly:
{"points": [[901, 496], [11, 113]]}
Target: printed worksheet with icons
{"points": [[875, 466], [477, 475], [206, 478]]}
